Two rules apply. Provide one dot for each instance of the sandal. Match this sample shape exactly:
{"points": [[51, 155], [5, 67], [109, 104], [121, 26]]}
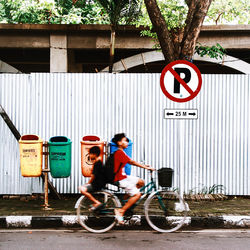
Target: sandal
{"points": [[119, 218]]}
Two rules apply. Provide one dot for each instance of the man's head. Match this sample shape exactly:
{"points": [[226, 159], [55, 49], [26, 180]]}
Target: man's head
{"points": [[121, 140], [94, 153]]}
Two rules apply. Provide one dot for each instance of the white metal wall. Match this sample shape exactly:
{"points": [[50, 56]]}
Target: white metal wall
{"points": [[214, 149]]}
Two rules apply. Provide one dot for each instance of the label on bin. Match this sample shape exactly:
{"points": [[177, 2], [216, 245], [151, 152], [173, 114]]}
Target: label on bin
{"points": [[57, 156], [30, 153], [87, 160]]}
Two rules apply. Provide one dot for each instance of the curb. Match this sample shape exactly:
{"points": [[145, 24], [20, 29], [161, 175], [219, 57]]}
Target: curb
{"points": [[137, 222]]}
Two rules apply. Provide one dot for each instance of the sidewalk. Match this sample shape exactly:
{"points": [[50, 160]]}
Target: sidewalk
{"points": [[230, 213]]}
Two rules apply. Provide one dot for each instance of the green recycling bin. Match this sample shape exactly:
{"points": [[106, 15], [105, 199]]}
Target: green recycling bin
{"points": [[60, 156]]}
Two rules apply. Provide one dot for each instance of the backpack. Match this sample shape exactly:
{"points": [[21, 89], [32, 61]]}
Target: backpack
{"points": [[109, 169]]}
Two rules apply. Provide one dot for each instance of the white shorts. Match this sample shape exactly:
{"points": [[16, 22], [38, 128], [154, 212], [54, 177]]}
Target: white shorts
{"points": [[129, 184]]}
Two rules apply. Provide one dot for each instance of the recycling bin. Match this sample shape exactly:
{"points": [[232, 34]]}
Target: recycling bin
{"points": [[31, 155], [128, 151], [165, 177], [88, 142], [60, 156]]}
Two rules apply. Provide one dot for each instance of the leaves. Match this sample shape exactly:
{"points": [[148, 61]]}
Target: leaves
{"points": [[121, 11], [51, 11], [215, 51], [173, 11], [208, 190], [125, 12], [229, 12]]}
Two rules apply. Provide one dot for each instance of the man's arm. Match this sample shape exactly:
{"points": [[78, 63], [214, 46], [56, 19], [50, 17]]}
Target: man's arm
{"points": [[140, 165]]}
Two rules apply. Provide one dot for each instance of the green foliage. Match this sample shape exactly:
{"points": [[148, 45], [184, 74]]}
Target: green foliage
{"points": [[229, 11], [51, 12], [215, 51], [173, 11], [212, 189], [66, 12], [28, 11], [121, 11]]}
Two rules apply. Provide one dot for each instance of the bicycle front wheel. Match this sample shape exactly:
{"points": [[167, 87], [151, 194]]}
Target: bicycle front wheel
{"points": [[100, 221], [165, 211]]}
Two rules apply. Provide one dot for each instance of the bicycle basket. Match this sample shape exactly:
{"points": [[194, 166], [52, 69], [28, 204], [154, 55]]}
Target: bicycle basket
{"points": [[165, 176]]}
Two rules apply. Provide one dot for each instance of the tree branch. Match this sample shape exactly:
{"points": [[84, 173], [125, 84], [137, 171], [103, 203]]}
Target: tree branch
{"points": [[196, 14], [160, 27]]}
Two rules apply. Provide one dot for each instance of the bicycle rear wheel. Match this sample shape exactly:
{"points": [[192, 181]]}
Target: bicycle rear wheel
{"points": [[102, 220], [165, 211]]}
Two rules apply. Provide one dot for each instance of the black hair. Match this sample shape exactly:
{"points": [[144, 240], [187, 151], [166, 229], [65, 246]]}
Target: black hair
{"points": [[118, 137], [95, 150]]}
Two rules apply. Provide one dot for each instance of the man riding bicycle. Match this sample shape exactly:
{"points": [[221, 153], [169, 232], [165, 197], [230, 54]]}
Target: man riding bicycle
{"points": [[130, 184]]}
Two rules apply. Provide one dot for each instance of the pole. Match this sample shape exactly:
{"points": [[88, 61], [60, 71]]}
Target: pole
{"points": [[46, 170], [182, 155], [105, 151], [9, 123]]}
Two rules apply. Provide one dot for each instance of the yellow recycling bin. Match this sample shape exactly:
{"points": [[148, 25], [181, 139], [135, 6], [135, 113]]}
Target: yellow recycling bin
{"points": [[31, 155], [87, 143]]}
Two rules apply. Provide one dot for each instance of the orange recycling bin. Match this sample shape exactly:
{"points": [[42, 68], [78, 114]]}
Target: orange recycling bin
{"points": [[31, 155], [87, 143]]}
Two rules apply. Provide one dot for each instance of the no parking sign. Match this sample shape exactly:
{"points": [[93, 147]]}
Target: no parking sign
{"points": [[181, 81]]}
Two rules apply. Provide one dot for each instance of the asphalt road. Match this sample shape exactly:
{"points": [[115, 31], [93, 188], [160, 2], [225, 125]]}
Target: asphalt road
{"points": [[129, 240]]}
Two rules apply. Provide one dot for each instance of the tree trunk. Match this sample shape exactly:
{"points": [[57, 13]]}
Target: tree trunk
{"points": [[174, 48], [112, 49], [160, 27], [196, 15]]}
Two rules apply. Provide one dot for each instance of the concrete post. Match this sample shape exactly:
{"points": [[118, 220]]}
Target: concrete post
{"points": [[58, 53]]}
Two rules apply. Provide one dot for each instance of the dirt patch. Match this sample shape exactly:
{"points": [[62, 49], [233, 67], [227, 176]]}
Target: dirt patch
{"points": [[236, 206]]}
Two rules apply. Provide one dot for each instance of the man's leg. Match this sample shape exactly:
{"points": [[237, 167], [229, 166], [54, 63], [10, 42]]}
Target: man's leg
{"points": [[129, 203], [140, 183], [85, 192], [130, 186]]}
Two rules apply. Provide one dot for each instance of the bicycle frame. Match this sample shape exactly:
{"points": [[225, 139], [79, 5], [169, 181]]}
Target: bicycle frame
{"points": [[146, 190], [150, 195], [151, 186]]}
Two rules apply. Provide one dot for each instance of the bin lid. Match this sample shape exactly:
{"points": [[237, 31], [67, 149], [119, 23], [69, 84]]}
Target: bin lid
{"points": [[59, 140], [91, 138], [30, 138]]}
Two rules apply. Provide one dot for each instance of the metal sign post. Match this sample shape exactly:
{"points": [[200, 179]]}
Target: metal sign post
{"points": [[182, 156], [181, 82]]}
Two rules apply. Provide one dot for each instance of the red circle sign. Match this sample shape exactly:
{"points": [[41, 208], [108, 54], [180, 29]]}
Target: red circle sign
{"points": [[174, 87]]}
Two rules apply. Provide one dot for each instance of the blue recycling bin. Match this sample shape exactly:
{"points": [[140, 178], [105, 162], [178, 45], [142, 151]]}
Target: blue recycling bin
{"points": [[127, 150]]}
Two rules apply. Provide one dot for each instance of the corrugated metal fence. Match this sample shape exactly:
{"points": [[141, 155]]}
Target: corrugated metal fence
{"points": [[214, 149]]}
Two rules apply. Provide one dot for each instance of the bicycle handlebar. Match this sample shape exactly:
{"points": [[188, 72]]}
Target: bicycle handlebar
{"points": [[151, 174]]}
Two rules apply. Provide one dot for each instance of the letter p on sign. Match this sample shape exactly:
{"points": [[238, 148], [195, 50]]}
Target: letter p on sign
{"points": [[180, 81]]}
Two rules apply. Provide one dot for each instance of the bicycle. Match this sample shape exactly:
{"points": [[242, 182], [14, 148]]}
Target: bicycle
{"points": [[165, 210]]}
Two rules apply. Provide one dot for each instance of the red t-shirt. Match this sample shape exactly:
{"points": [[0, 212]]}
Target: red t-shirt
{"points": [[120, 160]]}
